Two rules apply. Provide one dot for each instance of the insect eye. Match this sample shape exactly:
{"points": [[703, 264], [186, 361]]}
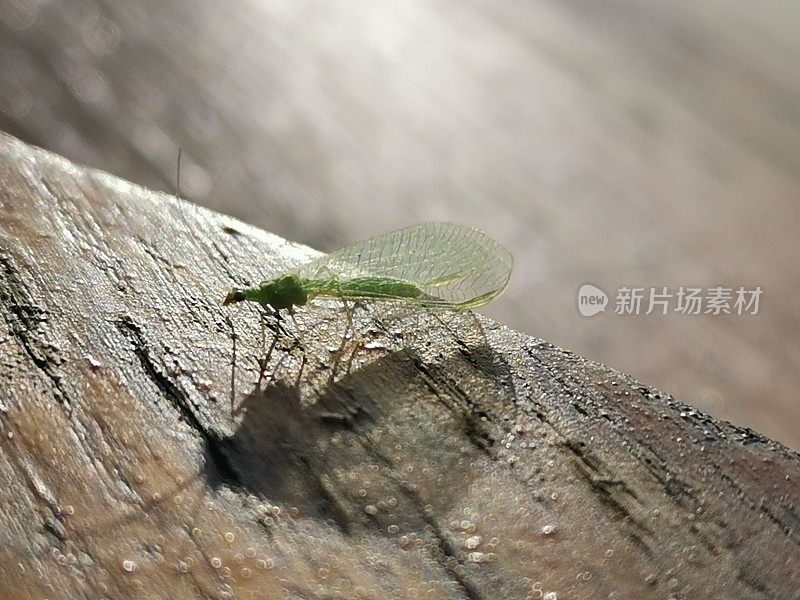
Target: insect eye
{"points": [[234, 296]]}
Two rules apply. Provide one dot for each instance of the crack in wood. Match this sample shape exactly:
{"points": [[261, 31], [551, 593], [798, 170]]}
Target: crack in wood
{"points": [[473, 428], [471, 592], [26, 317], [180, 400], [612, 491], [792, 531]]}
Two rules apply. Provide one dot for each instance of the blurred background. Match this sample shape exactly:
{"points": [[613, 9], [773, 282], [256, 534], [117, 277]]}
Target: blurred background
{"points": [[620, 143]]}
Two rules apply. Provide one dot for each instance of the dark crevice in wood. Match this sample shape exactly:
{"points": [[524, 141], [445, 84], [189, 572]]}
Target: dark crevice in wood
{"points": [[790, 530], [746, 574], [563, 387], [180, 400], [472, 427], [225, 264], [56, 529], [333, 508], [674, 487], [470, 591], [51, 516], [27, 316], [612, 492]]}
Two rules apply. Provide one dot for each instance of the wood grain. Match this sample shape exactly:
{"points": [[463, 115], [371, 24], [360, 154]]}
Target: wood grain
{"points": [[436, 456]]}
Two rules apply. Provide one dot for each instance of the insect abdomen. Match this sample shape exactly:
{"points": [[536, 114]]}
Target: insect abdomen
{"points": [[379, 287]]}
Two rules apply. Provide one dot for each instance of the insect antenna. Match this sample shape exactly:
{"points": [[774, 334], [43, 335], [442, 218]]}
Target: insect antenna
{"points": [[178, 175]]}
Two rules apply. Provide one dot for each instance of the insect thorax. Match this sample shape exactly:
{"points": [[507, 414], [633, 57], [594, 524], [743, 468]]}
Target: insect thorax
{"points": [[280, 293]]}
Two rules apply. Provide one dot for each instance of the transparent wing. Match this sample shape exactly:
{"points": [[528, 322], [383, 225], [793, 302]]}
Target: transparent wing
{"points": [[455, 266]]}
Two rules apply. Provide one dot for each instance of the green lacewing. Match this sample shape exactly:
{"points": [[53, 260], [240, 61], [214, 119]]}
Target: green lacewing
{"points": [[431, 265]]}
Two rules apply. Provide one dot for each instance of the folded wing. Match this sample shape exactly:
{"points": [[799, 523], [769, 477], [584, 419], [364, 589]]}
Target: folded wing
{"points": [[455, 266]]}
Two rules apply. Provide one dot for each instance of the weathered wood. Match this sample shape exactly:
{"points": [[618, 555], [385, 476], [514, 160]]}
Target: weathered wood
{"points": [[435, 456]]}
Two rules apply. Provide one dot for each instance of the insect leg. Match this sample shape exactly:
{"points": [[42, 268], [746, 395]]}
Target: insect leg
{"points": [[302, 340], [297, 328], [233, 362], [234, 337], [349, 327], [264, 361], [304, 358]]}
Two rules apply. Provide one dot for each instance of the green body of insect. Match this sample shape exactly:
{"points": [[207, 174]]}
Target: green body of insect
{"points": [[432, 265], [288, 291]]}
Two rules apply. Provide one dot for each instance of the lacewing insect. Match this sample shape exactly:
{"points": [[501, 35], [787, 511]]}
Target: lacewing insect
{"points": [[431, 265]]}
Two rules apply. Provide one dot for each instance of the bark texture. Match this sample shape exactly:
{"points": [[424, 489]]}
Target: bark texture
{"points": [[433, 456]]}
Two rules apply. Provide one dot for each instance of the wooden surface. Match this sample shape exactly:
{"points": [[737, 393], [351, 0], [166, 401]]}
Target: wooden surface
{"points": [[435, 457], [625, 143]]}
